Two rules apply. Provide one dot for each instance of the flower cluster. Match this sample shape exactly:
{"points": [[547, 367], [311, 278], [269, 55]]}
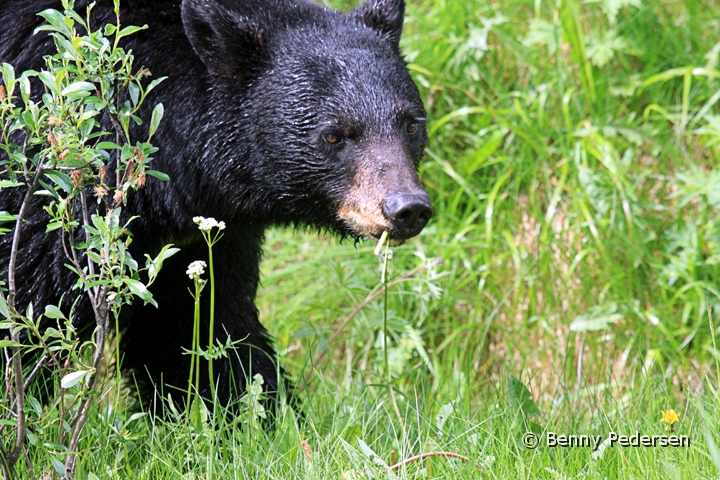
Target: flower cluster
{"points": [[195, 269], [206, 224]]}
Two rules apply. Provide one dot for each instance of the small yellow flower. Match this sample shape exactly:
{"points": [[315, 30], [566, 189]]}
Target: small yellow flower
{"points": [[670, 416]]}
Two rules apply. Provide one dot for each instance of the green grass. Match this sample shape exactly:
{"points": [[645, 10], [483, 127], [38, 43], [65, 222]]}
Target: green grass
{"points": [[576, 197]]}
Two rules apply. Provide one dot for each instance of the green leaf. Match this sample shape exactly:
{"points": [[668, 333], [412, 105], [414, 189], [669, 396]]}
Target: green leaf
{"points": [[139, 289], [198, 414], [368, 452], [25, 87], [99, 223], [8, 74], [9, 343], [287, 438], [74, 16], [442, 416], [4, 308], [28, 119], [520, 399], [55, 19], [78, 89], [65, 47], [157, 115], [601, 50], [7, 217], [585, 324], [130, 30], [72, 379], [599, 317], [9, 184], [62, 180], [135, 416], [134, 92], [94, 257], [154, 173], [51, 311], [51, 226], [155, 265], [154, 84], [58, 466], [49, 81], [52, 333], [48, 190], [612, 7]]}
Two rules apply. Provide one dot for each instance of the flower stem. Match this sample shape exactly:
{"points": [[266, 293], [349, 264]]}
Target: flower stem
{"points": [[388, 376], [211, 340], [195, 347]]}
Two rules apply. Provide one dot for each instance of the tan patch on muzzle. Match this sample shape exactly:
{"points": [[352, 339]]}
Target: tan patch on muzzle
{"points": [[384, 169], [361, 209]]}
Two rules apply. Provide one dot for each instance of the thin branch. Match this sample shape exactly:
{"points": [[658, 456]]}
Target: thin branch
{"points": [[16, 235], [5, 130], [72, 169], [71, 256], [27, 382], [432, 454], [7, 375], [102, 319], [12, 457], [29, 463], [118, 132], [25, 167], [34, 372], [86, 220]]}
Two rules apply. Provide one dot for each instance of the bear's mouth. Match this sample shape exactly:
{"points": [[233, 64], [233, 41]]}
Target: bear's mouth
{"points": [[392, 242], [363, 221], [369, 226]]}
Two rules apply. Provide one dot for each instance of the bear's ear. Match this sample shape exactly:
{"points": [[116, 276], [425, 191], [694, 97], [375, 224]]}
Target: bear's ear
{"points": [[225, 40], [385, 16]]}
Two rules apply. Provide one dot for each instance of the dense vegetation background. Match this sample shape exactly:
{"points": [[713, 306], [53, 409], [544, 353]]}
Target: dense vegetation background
{"points": [[575, 250], [573, 166]]}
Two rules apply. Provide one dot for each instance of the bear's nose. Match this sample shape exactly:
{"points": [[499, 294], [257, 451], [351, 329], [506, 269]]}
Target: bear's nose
{"points": [[408, 212]]}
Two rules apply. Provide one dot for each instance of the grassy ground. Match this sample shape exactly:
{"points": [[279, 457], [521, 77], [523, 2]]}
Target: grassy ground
{"points": [[575, 250]]}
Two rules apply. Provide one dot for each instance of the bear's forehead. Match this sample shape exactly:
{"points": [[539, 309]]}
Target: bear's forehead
{"points": [[334, 32], [356, 59], [343, 84]]}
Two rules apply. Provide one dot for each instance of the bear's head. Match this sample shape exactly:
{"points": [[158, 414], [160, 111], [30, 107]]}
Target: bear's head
{"points": [[323, 124]]}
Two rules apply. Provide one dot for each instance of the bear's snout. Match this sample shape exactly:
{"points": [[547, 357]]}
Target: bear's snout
{"points": [[408, 212]]}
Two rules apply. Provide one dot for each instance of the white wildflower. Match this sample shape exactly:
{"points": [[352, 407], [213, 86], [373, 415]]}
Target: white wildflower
{"points": [[195, 269], [206, 224]]}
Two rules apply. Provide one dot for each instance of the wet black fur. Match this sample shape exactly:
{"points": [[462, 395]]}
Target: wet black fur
{"points": [[253, 88]]}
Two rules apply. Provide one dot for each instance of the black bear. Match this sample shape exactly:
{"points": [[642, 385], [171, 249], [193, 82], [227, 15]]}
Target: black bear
{"points": [[276, 112]]}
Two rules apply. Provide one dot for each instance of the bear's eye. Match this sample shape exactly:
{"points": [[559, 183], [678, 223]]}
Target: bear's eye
{"points": [[411, 128], [332, 138]]}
